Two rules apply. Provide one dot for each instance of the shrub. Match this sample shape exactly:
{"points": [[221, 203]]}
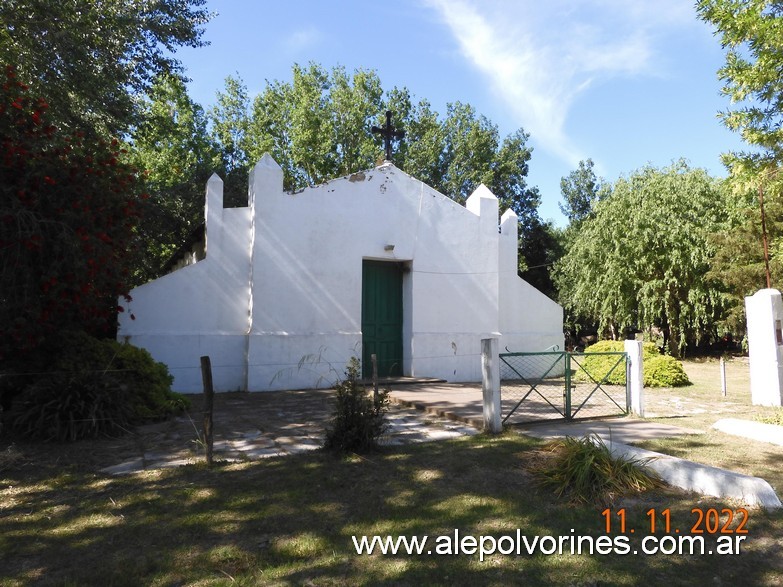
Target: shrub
{"points": [[659, 370], [71, 406], [618, 346], [599, 366], [585, 471], [358, 420], [150, 382], [89, 387], [664, 371], [71, 207]]}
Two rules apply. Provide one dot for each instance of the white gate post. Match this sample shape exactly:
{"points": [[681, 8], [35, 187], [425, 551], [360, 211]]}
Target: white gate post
{"points": [[764, 311], [635, 376], [490, 384]]}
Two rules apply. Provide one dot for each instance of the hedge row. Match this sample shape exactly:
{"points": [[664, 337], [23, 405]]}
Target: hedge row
{"points": [[659, 370]]}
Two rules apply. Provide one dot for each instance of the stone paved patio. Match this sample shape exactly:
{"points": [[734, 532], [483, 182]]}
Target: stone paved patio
{"points": [[250, 426]]}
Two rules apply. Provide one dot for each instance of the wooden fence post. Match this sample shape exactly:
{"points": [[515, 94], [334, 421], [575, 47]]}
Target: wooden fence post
{"points": [[374, 359], [209, 394]]}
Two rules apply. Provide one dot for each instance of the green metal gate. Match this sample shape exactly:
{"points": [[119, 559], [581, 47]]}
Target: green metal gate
{"points": [[562, 385]]}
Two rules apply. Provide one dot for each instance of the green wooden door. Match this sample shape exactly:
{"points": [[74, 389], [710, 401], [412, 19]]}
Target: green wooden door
{"points": [[382, 317]]}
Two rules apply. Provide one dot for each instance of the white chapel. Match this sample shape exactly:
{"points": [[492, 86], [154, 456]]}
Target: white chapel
{"points": [[280, 294]]}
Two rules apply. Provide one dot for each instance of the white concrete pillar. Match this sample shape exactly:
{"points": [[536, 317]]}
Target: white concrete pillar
{"points": [[490, 384], [635, 376], [764, 314], [213, 215], [484, 204]]}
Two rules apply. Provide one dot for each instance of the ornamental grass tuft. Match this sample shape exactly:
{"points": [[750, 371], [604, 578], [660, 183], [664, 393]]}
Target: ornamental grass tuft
{"points": [[583, 470]]}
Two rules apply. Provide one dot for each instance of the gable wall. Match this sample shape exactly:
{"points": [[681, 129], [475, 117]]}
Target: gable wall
{"points": [[200, 309], [276, 303], [308, 255]]}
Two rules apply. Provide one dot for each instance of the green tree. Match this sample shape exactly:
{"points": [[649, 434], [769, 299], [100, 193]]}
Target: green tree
{"points": [[229, 122], [355, 104], [641, 260], [173, 150], [751, 32], [90, 59], [540, 247], [317, 127], [738, 263], [580, 191], [424, 141]]}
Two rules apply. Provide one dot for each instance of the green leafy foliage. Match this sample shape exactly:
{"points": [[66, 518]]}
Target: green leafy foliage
{"points": [[358, 420], [738, 264], [659, 370], [641, 260], [664, 371], [593, 366], [580, 191], [173, 149], [750, 33], [317, 127], [87, 387], [776, 418], [72, 406], [91, 59], [148, 381], [68, 211], [585, 471]]}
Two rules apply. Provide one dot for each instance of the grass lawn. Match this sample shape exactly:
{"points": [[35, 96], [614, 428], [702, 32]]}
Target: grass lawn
{"points": [[699, 406], [289, 521]]}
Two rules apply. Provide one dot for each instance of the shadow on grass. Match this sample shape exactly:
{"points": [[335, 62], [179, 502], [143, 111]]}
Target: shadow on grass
{"points": [[677, 447], [290, 521]]}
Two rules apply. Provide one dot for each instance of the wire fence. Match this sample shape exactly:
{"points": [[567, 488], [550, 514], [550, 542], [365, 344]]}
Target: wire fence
{"points": [[561, 385]]}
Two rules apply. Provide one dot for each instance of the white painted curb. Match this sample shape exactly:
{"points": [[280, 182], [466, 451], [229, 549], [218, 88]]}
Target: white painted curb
{"points": [[703, 479], [754, 430]]}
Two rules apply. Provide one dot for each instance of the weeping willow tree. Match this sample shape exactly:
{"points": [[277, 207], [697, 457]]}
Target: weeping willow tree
{"points": [[640, 261]]}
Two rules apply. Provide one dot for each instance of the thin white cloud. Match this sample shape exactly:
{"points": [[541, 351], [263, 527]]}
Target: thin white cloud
{"points": [[540, 56], [303, 39]]}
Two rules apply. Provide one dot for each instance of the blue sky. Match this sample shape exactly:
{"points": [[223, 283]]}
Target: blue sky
{"points": [[624, 82]]}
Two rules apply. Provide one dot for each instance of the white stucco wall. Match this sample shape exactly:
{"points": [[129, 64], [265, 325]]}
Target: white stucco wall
{"points": [[281, 284], [529, 320], [200, 309]]}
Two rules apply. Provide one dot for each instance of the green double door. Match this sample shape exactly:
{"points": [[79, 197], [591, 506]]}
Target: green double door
{"points": [[382, 317]]}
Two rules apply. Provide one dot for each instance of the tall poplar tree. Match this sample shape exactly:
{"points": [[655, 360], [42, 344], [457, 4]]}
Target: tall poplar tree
{"points": [[317, 127], [580, 191]]}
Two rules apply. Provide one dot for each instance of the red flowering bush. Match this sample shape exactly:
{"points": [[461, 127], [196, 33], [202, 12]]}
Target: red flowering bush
{"points": [[68, 211]]}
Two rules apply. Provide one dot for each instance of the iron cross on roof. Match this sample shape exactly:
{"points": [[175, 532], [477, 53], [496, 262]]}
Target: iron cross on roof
{"points": [[389, 134]]}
